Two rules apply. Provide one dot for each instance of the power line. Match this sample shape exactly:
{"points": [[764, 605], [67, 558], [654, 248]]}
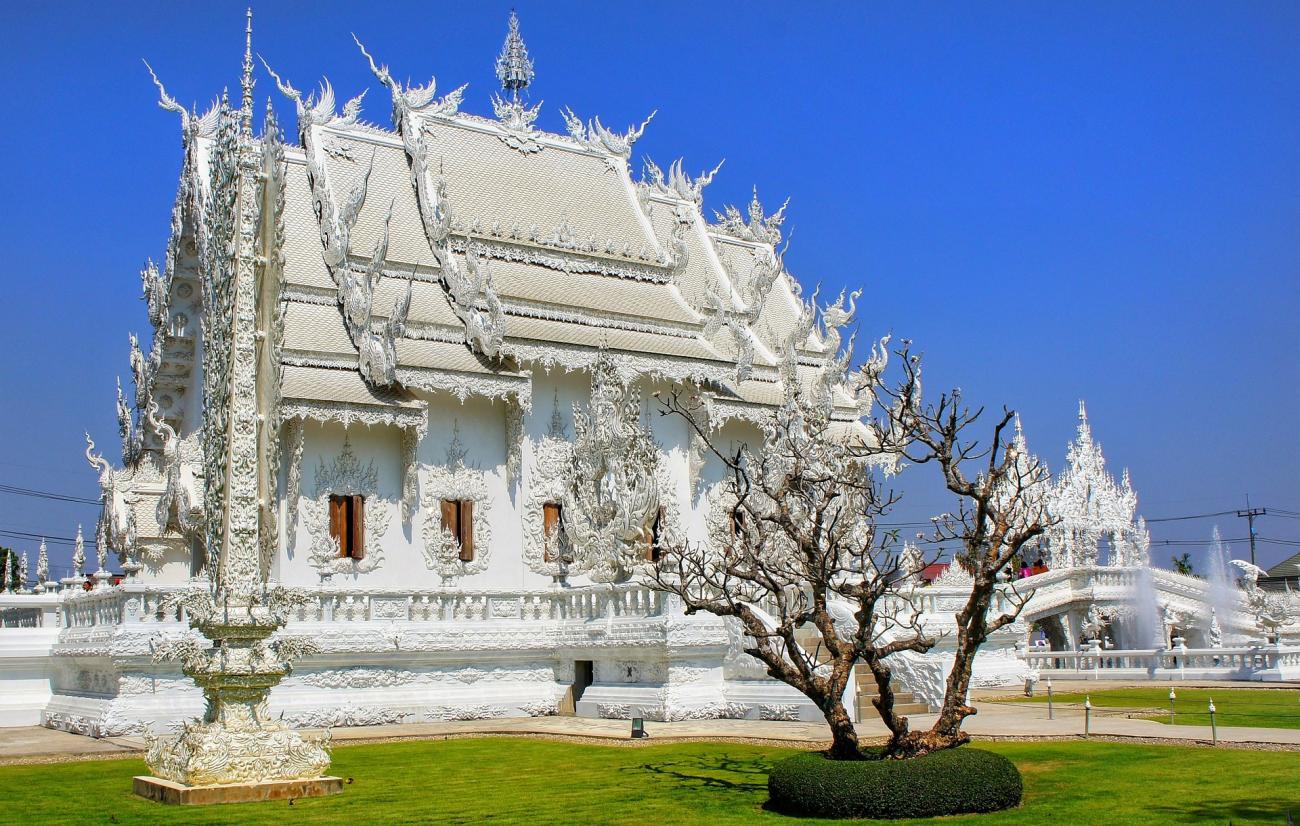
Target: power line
{"points": [[1192, 516], [44, 494]]}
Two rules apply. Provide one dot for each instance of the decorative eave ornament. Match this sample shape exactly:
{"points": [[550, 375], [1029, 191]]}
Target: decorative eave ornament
{"points": [[760, 227], [678, 183]]}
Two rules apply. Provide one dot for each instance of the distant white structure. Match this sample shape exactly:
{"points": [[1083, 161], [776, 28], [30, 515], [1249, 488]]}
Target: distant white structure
{"points": [[1093, 510]]}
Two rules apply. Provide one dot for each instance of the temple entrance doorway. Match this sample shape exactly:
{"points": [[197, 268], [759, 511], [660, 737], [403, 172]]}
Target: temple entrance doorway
{"points": [[1054, 632], [583, 676]]}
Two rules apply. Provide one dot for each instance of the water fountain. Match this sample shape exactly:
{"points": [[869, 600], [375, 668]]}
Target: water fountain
{"points": [[1147, 625], [1223, 594]]}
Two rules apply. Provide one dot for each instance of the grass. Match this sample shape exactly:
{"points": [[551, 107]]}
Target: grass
{"points": [[1250, 707], [505, 780]]}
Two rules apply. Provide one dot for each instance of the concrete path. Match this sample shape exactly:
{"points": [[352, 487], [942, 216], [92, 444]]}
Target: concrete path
{"points": [[995, 719]]}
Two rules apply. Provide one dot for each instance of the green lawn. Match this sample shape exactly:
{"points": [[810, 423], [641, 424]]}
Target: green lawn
{"points": [[507, 780], [1254, 707]]}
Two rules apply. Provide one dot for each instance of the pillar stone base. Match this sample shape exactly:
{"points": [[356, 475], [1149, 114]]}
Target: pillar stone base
{"points": [[165, 791]]}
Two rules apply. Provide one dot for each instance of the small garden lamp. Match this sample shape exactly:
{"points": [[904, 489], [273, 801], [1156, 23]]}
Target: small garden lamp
{"points": [[1214, 728], [638, 728], [1087, 716], [1172, 697]]}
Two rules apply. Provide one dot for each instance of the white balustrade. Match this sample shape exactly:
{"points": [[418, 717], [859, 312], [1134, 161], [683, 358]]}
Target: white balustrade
{"points": [[1237, 663]]}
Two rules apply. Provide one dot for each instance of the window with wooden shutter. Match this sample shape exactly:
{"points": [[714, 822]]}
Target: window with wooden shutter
{"points": [[347, 525], [552, 514], [458, 520], [467, 530], [339, 523]]}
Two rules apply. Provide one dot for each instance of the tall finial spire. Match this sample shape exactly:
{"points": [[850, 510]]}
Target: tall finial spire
{"points": [[1083, 411], [514, 66], [246, 82]]}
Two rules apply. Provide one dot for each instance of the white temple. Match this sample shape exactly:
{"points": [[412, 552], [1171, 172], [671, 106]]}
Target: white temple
{"points": [[452, 315]]}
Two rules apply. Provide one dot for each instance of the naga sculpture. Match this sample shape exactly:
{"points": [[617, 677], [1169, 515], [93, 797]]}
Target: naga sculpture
{"points": [[376, 349], [467, 287]]}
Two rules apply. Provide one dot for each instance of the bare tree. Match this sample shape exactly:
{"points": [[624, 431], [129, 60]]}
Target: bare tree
{"points": [[1002, 491], [795, 528], [795, 541]]}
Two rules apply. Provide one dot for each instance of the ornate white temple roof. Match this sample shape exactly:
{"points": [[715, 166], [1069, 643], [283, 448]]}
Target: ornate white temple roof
{"points": [[1092, 507], [579, 254]]}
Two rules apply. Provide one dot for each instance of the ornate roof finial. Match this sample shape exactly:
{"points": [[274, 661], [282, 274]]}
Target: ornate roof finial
{"points": [[514, 66], [246, 82], [1083, 411]]}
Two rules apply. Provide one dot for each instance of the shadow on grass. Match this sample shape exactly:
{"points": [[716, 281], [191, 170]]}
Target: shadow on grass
{"points": [[711, 772], [1266, 809]]}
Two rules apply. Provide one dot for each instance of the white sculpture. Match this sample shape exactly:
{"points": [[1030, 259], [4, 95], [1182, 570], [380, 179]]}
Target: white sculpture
{"points": [[79, 554], [1272, 611], [613, 498], [42, 567], [1094, 624]]}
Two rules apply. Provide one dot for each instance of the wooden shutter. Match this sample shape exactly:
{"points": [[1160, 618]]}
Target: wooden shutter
{"points": [[358, 527], [550, 527], [451, 517], [339, 523], [467, 530]]}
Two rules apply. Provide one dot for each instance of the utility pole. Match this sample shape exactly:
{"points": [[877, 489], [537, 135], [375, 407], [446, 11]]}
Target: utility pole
{"points": [[1249, 515]]}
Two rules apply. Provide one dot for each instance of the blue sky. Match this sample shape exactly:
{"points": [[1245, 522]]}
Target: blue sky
{"points": [[1054, 201]]}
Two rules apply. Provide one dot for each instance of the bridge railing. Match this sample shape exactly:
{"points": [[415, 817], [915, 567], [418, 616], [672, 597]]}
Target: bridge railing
{"points": [[1252, 662]]}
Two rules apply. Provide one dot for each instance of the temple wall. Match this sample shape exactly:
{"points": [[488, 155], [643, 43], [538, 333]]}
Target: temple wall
{"points": [[480, 427]]}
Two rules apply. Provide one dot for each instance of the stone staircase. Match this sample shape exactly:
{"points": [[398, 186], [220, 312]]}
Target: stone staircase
{"points": [[863, 683]]}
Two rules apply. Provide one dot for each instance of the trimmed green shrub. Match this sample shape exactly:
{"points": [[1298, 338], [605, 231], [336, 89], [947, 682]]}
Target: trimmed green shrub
{"points": [[948, 782]]}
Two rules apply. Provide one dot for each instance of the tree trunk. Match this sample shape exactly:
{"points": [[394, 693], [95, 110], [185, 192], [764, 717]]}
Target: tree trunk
{"points": [[884, 702], [844, 737], [971, 624]]}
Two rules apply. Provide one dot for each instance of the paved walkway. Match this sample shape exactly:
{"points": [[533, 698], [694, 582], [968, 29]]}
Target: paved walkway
{"points": [[1027, 720]]}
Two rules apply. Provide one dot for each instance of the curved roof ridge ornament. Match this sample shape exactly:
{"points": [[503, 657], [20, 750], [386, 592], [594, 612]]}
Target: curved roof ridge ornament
{"points": [[594, 136], [469, 286]]}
